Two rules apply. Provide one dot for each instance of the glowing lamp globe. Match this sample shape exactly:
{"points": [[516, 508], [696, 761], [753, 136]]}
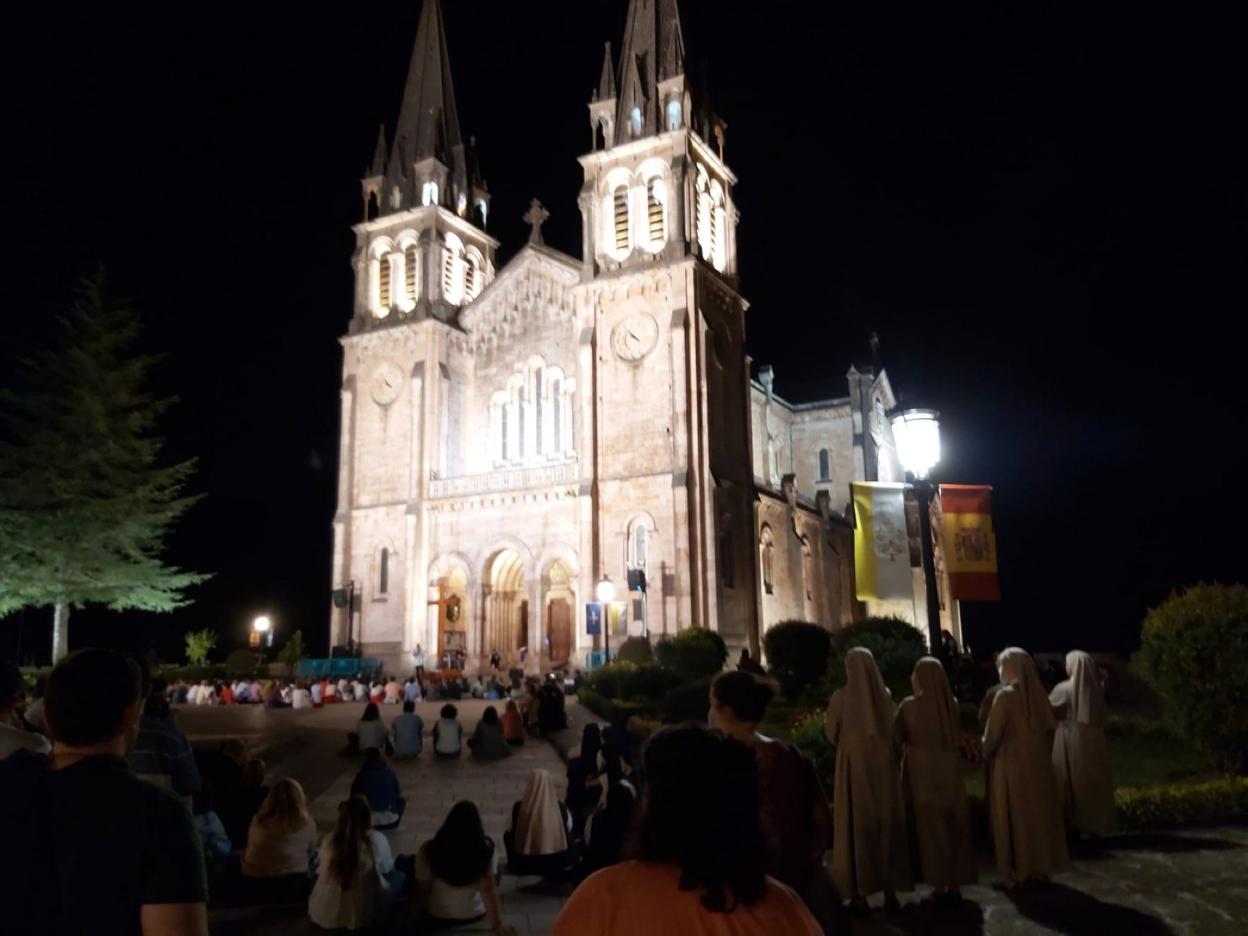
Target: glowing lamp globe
{"points": [[262, 625], [606, 590], [917, 434]]}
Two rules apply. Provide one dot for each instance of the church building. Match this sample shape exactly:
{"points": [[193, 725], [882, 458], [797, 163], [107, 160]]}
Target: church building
{"points": [[512, 435]]}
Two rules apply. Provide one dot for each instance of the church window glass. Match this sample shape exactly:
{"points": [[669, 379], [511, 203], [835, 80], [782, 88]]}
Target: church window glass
{"points": [[704, 213], [520, 434], [767, 549], [410, 260], [621, 217], [656, 201], [503, 447], [673, 115], [429, 193], [823, 465], [556, 400], [641, 546], [538, 413], [453, 270], [383, 572]]}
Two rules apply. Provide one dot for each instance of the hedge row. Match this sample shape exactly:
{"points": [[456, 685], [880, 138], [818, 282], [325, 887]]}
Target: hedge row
{"points": [[1193, 804]]}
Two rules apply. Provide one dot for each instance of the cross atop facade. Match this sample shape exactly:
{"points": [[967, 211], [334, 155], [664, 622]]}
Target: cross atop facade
{"points": [[536, 216]]}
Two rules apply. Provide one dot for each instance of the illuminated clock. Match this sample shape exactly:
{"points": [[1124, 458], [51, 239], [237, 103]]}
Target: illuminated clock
{"points": [[635, 337], [387, 383]]}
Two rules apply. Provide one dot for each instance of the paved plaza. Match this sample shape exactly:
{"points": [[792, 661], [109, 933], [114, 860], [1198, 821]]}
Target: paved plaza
{"points": [[1187, 882]]}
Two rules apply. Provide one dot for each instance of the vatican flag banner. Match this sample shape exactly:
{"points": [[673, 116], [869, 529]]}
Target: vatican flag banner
{"points": [[881, 544], [969, 544]]}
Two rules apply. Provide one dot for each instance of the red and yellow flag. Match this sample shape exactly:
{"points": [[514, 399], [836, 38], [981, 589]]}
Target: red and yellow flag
{"points": [[969, 544]]}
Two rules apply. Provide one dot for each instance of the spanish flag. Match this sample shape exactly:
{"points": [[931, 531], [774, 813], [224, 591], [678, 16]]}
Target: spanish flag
{"points": [[881, 543], [969, 544]]}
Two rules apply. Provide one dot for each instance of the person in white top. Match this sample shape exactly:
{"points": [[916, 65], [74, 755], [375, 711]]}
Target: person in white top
{"points": [[456, 873], [316, 691], [300, 697], [356, 878], [13, 736], [282, 837], [360, 691]]}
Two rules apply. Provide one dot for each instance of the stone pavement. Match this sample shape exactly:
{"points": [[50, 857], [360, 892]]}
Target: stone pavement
{"points": [[1190, 882]]}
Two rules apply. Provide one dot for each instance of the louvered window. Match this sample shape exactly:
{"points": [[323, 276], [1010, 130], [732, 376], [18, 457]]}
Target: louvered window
{"points": [[410, 260], [621, 218], [656, 199], [384, 299], [471, 275]]}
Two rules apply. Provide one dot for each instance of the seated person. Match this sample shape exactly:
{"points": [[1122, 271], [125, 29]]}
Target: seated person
{"points": [[487, 741], [408, 732], [281, 842], [456, 872], [447, 733], [376, 692], [317, 692], [369, 733], [411, 690], [607, 829], [356, 879], [538, 837], [393, 692], [300, 697], [211, 831], [379, 784], [330, 694], [513, 724], [88, 846], [359, 690]]}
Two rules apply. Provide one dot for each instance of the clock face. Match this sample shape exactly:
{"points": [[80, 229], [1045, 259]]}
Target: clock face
{"points": [[635, 337], [387, 383]]}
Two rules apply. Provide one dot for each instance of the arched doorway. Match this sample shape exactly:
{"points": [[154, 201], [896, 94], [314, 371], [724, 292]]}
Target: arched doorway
{"points": [[505, 606], [559, 605], [448, 601]]}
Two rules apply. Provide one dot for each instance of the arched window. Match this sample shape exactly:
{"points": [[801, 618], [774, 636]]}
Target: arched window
{"points": [[823, 465], [640, 547], [411, 259], [673, 115], [600, 135], [429, 193], [461, 205], [503, 447], [719, 249], [620, 214], [634, 121], [767, 550], [383, 572], [808, 570], [538, 407], [373, 209], [520, 424], [556, 416], [453, 270], [483, 211], [703, 186], [656, 207], [474, 272]]}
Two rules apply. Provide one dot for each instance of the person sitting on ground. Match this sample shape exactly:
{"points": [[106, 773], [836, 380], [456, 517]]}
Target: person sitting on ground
{"points": [[356, 878], [411, 690], [377, 692], [257, 691], [208, 824], [330, 694], [181, 693], [359, 690], [281, 842], [456, 874], [288, 694], [273, 696], [300, 697], [13, 734], [553, 712], [88, 846], [240, 801], [225, 692], [206, 694], [370, 732], [538, 835], [585, 772], [161, 752], [407, 731], [447, 733], [379, 784], [393, 692], [608, 827], [513, 724], [487, 741], [317, 691], [702, 867]]}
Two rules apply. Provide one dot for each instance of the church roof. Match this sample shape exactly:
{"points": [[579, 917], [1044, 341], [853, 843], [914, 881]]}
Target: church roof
{"points": [[653, 51]]}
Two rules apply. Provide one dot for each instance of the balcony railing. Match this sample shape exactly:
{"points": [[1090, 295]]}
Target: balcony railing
{"points": [[505, 479]]}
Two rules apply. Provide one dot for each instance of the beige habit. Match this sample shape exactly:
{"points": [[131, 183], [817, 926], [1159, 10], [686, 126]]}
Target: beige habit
{"points": [[539, 823], [932, 780], [1080, 755], [869, 842], [1026, 814]]}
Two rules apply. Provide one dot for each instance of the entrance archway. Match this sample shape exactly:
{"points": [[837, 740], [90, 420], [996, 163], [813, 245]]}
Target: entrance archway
{"points": [[505, 606], [559, 604]]}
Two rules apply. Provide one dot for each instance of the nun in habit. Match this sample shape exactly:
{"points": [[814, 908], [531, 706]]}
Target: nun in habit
{"points": [[1023, 802], [869, 844], [1080, 756], [932, 781]]}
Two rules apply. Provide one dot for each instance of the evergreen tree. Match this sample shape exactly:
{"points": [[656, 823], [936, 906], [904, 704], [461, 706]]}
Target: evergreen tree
{"points": [[85, 505]]}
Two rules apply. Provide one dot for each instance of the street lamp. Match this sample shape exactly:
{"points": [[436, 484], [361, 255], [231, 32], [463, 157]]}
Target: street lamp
{"points": [[917, 434], [262, 631], [606, 593]]}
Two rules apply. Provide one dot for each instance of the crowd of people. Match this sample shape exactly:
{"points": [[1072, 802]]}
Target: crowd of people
{"points": [[710, 828]]}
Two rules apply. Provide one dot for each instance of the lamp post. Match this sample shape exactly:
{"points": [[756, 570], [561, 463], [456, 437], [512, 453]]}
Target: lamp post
{"points": [[606, 593], [917, 434], [262, 631]]}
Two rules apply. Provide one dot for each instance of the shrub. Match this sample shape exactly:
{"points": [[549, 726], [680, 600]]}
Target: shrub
{"points": [[199, 644], [636, 650], [595, 702], [688, 702], [1163, 807], [797, 655], [896, 645], [1194, 651], [694, 653], [241, 663], [292, 652], [808, 737]]}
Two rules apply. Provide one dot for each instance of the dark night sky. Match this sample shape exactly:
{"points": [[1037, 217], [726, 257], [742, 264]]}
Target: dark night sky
{"points": [[1039, 207]]}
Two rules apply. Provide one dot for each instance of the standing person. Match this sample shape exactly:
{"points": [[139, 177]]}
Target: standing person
{"points": [[456, 873], [418, 661], [408, 731], [281, 842], [702, 866], [379, 784], [513, 724], [448, 733], [356, 879], [487, 741], [537, 837], [1080, 755], [13, 734], [928, 730], [1023, 802], [797, 824], [495, 660], [88, 846], [869, 849]]}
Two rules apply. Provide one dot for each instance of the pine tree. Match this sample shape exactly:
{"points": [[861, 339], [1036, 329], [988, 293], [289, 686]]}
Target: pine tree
{"points": [[85, 505]]}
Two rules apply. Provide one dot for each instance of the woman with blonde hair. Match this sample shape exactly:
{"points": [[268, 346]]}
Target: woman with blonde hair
{"points": [[281, 839], [1022, 792], [1080, 755], [356, 880]]}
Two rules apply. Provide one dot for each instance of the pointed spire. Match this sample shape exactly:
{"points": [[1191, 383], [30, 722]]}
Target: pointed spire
{"points": [[378, 167], [428, 123], [653, 51], [606, 84]]}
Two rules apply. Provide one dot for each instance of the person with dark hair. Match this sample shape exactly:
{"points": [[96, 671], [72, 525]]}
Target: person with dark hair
{"points": [[702, 867], [552, 711], [88, 846], [797, 824], [747, 664], [608, 827], [13, 733], [448, 733], [379, 784], [585, 770], [208, 824], [408, 732], [370, 732], [161, 753], [356, 878], [487, 741], [456, 873], [537, 839]]}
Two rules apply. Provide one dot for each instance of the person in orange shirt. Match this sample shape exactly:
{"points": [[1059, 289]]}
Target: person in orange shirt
{"points": [[513, 724], [702, 862], [227, 695]]}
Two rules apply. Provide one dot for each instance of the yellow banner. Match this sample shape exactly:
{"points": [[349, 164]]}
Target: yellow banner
{"points": [[881, 544]]}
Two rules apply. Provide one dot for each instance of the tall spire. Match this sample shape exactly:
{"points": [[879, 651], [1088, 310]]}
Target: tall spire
{"points": [[606, 84], [654, 51], [378, 167]]}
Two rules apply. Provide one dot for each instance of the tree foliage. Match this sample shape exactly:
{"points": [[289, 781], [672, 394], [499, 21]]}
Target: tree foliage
{"points": [[635, 650], [895, 643], [85, 504], [693, 653], [292, 652], [199, 644], [797, 655], [1194, 650]]}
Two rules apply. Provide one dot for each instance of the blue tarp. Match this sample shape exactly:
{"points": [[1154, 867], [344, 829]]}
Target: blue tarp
{"points": [[338, 666]]}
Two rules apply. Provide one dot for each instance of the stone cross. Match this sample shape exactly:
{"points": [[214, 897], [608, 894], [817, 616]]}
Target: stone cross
{"points": [[536, 216]]}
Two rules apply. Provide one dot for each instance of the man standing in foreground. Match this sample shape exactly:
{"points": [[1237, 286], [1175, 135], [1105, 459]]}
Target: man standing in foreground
{"points": [[89, 847]]}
